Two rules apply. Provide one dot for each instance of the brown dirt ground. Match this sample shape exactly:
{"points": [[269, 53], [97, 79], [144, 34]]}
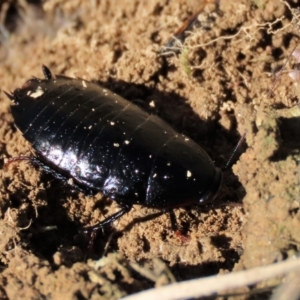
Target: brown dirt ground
{"points": [[214, 90]]}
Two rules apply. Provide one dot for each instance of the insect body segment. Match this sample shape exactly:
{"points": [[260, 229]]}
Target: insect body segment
{"points": [[105, 143]]}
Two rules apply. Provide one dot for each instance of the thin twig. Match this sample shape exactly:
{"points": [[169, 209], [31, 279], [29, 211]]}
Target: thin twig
{"points": [[215, 284]]}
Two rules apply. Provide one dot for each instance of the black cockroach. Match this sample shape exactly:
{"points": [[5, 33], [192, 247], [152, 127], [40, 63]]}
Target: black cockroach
{"points": [[105, 143]]}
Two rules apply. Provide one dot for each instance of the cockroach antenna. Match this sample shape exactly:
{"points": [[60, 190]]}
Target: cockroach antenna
{"points": [[231, 159]]}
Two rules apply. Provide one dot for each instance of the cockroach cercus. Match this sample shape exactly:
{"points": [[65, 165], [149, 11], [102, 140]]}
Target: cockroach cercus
{"points": [[105, 143]]}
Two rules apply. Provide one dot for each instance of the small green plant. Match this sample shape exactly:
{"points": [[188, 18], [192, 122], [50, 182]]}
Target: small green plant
{"points": [[259, 3], [185, 61]]}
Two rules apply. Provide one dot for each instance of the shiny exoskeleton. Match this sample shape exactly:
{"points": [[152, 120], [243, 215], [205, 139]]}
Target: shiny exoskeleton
{"points": [[105, 143]]}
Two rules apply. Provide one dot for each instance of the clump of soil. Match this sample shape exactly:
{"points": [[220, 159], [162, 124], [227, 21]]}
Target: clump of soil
{"points": [[213, 86]]}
